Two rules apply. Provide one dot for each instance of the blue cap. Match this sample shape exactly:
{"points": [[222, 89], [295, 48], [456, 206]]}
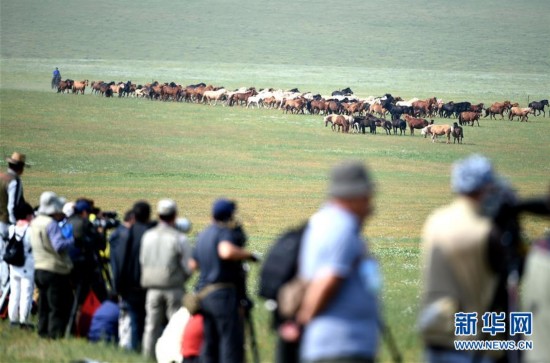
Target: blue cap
{"points": [[472, 174], [223, 209], [82, 205]]}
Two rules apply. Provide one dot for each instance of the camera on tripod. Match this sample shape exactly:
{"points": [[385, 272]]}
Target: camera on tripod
{"points": [[106, 220]]}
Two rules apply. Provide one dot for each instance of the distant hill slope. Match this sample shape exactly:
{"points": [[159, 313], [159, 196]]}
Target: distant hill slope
{"points": [[493, 36]]}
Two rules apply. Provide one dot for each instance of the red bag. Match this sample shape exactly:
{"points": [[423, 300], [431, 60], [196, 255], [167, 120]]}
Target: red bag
{"points": [[87, 310]]}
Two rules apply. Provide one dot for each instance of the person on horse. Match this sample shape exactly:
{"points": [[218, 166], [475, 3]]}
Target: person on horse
{"points": [[56, 77]]}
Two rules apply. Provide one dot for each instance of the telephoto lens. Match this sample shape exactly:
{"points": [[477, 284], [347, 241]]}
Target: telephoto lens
{"points": [[183, 225]]}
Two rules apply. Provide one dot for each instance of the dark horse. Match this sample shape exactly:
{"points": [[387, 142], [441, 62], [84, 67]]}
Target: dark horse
{"points": [[539, 106], [55, 81]]}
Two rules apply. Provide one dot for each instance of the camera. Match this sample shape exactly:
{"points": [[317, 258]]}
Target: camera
{"points": [[106, 220], [183, 225]]}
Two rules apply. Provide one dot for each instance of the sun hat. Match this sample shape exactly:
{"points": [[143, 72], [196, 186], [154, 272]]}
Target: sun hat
{"points": [[472, 174], [50, 203], [166, 207], [350, 179], [68, 209], [17, 158], [223, 209]]}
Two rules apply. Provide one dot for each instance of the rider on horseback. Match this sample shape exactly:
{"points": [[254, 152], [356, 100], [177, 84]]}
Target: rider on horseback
{"points": [[56, 78]]}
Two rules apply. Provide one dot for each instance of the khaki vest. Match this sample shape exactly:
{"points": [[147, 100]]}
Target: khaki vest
{"points": [[160, 258], [5, 180], [45, 257], [457, 276]]}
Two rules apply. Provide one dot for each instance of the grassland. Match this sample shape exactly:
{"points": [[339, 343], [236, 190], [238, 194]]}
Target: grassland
{"points": [[119, 150]]}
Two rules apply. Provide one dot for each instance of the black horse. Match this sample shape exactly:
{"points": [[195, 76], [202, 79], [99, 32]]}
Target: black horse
{"points": [[345, 92], [539, 106], [55, 81], [401, 125]]}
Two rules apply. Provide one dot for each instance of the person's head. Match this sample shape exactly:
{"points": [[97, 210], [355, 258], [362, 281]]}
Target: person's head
{"points": [[51, 205], [17, 162], [83, 207], [352, 187], [223, 210], [473, 176], [24, 211], [142, 211], [129, 218], [167, 210]]}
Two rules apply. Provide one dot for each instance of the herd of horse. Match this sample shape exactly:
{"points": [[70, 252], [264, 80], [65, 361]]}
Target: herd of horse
{"points": [[342, 109]]}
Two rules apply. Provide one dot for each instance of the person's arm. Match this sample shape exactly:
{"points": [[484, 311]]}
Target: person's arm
{"points": [[185, 257], [228, 251], [59, 242], [12, 191], [193, 265], [318, 294]]}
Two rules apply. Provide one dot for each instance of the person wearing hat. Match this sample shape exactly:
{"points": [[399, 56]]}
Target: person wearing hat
{"points": [[339, 311], [458, 276], [219, 257], [11, 196], [11, 190], [88, 241], [56, 77], [164, 259], [52, 267]]}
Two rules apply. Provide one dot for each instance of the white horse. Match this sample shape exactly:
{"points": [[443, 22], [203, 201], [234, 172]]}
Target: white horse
{"points": [[208, 96]]}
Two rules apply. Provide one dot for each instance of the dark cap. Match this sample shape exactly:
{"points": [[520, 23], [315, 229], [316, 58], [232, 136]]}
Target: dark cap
{"points": [[223, 209], [350, 179], [82, 205]]}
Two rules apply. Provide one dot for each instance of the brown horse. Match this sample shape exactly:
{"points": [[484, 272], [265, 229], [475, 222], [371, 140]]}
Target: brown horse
{"points": [[79, 86], [241, 97], [379, 109], [425, 107], [316, 106], [104, 87], [340, 121], [95, 86], [498, 108], [415, 123], [333, 107], [65, 85], [170, 91], [477, 108], [294, 106], [468, 117]]}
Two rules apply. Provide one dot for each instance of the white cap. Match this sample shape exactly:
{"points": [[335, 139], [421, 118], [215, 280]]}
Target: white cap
{"points": [[166, 207]]}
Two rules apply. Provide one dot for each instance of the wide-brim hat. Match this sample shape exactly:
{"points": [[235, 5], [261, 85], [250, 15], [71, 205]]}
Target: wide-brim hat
{"points": [[472, 174], [50, 203], [17, 158]]}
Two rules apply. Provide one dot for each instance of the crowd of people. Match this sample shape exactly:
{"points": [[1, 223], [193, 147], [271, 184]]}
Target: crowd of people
{"points": [[471, 252]]}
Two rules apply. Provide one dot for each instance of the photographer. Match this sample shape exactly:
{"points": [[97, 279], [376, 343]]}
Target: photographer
{"points": [[89, 240], [219, 258], [458, 273]]}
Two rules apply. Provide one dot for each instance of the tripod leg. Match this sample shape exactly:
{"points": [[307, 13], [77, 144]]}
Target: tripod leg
{"points": [[253, 342], [74, 308]]}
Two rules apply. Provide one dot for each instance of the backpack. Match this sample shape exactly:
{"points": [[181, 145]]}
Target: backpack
{"points": [[15, 251], [281, 262]]}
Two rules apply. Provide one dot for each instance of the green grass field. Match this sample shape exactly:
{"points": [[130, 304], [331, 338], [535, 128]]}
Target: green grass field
{"points": [[116, 151]]}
